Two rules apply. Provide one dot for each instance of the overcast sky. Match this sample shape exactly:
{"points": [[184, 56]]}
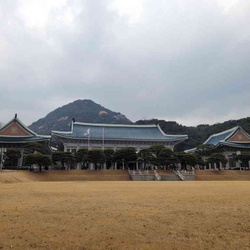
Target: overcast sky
{"points": [[183, 60]]}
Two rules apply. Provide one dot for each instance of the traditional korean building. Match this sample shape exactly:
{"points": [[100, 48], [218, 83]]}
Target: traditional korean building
{"points": [[16, 135], [230, 142], [114, 136]]}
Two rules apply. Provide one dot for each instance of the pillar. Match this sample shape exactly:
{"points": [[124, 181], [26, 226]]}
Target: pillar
{"points": [[91, 166], [209, 166], [104, 165], [238, 165], [221, 165], [78, 166], [137, 165], [215, 168], [20, 160], [115, 165]]}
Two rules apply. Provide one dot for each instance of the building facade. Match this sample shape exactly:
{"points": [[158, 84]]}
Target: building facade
{"points": [[16, 135], [231, 142], [113, 136]]}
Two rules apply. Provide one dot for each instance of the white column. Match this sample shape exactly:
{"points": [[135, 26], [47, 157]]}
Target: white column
{"points": [[78, 166], [105, 166], [115, 165], [137, 167], [221, 165], [20, 160], [238, 165], [210, 166], [91, 166]]}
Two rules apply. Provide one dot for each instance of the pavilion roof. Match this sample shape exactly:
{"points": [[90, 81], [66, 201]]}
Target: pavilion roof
{"points": [[235, 137], [16, 132], [117, 131]]}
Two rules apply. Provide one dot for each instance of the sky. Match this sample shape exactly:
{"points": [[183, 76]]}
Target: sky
{"points": [[180, 60]]}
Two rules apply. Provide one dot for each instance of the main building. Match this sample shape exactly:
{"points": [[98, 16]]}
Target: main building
{"points": [[114, 136]]}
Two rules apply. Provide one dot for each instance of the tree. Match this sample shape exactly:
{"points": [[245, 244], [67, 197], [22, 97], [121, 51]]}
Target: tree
{"points": [[244, 158], [125, 155], [162, 156], [81, 156], [39, 159], [32, 147], [63, 157], [146, 156], [12, 156], [109, 154], [217, 158], [205, 149], [187, 159], [96, 156], [167, 157], [199, 160]]}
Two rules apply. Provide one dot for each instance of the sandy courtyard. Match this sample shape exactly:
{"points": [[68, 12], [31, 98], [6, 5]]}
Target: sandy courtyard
{"points": [[125, 215]]}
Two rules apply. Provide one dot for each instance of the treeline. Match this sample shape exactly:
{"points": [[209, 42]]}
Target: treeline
{"points": [[196, 135], [124, 158]]}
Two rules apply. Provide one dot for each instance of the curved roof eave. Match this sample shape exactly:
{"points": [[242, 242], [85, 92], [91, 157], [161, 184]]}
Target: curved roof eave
{"points": [[163, 133], [221, 133], [121, 139], [32, 133]]}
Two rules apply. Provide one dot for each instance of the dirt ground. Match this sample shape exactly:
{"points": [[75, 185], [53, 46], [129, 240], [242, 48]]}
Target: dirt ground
{"points": [[125, 215]]}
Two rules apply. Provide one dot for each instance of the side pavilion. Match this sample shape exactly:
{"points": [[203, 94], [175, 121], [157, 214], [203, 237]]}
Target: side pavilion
{"points": [[15, 134], [231, 142]]}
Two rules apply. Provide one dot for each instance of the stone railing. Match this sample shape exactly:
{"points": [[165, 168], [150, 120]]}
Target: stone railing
{"points": [[179, 174], [157, 176], [186, 172]]}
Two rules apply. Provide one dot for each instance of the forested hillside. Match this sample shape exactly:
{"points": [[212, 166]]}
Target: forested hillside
{"points": [[89, 111], [81, 111], [199, 134]]}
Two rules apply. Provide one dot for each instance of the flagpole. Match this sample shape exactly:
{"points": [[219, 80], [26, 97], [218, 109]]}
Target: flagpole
{"points": [[88, 140], [103, 138]]}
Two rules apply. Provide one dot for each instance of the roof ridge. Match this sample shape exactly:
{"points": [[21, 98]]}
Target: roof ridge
{"points": [[221, 133], [115, 125]]}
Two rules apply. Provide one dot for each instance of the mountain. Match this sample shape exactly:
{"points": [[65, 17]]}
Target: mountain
{"points": [[89, 111], [81, 111], [196, 135]]}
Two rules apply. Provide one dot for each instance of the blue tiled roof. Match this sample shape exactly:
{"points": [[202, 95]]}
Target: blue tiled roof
{"points": [[21, 139], [136, 132], [216, 138]]}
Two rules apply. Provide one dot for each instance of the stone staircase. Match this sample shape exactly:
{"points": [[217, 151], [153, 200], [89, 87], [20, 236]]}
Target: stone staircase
{"points": [[138, 175], [168, 175]]}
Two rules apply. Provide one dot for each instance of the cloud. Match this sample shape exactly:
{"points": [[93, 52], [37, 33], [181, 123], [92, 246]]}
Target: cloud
{"points": [[177, 60]]}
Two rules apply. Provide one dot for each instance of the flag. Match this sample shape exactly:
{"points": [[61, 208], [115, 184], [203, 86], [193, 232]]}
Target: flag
{"points": [[87, 132]]}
